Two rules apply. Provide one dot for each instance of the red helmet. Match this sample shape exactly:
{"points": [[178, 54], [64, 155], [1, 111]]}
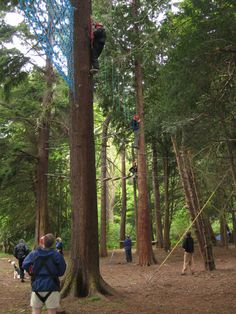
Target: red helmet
{"points": [[98, 25]]}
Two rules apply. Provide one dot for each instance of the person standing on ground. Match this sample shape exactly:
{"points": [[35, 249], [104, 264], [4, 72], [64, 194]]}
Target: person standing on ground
{"points": [[45, 265], [188, 246], [21, 250], [128, 249]]}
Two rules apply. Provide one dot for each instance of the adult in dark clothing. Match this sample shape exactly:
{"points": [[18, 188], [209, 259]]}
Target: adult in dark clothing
{"points": [[98, 39], [188, 246], [135, 127], [134, 169], [45, 265], [21, 250], [59, 245], [128, 249]]}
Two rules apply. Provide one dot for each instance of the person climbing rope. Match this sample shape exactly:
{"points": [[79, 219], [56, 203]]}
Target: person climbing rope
{"points": [[98, 38], [135, 127]]}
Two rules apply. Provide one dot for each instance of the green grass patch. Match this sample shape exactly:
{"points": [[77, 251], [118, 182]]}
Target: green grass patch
{"points": [[2, 254]]}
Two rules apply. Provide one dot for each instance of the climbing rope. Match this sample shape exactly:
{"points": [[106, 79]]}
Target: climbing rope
{"points": [[191, 224], [52, 23]]}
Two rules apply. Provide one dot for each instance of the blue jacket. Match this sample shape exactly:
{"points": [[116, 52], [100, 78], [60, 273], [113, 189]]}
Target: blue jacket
{"points": [[127, 244], [45, 277]]}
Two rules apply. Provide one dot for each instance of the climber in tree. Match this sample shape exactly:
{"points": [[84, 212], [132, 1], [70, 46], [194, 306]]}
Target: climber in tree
{"points": [[134, 169], [98, 38], [135, 127]]}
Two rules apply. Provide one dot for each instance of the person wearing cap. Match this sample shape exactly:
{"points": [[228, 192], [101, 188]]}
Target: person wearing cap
{"points": [[98, 38], [45, 265], [128, 249]]}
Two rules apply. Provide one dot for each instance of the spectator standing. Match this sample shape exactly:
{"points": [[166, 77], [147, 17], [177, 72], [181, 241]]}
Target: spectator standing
{"points": [[128, 249], [188, 246], [45, 265]]}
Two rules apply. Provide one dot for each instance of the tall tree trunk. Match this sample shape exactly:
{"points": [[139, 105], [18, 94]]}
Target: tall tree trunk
{"points": [[146, 256], [103, 236], [234, 226], [211, 231], [157, 199], [222, 218], [190, 191], [167, 204], [230, 150], [42, 216], [83, 276], [124, 198], [135, 203]]}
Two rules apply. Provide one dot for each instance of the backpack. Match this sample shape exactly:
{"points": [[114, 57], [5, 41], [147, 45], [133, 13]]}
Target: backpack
{"points": [[21, 251]]}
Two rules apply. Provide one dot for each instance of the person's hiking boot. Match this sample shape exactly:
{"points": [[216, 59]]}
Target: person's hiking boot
{"points": [[95, 67], [183, 274], [22, 280], [94, 71]]}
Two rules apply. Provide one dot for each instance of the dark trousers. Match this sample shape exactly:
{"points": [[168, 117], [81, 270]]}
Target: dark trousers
{"points": [[96, 51], [128, 254], [20, 260]]}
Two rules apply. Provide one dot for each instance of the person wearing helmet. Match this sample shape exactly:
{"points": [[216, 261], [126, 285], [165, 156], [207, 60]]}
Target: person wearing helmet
{"points": [[98, 38]]}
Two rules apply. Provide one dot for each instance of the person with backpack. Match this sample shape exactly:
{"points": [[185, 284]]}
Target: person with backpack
{"points": [[188, 246], [20, 252], [98, 38], [45, 265]]}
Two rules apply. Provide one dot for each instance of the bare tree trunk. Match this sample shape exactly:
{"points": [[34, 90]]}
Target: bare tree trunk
{"points": [[230, 150], [146, 256], [157, 201], [234, 226], [135, 203], [42, 216], [166, 202], [223, 223], [103, 236], [83, 276], [212, 234], [124, 198], [192, 201]]}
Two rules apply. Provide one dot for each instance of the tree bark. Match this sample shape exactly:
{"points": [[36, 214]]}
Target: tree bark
{"points": [[146, 256], [124, 198], [135, 203], [83, 276], [157, 198], [42, 216], [193, 204], [103, 230], [167, 203]]}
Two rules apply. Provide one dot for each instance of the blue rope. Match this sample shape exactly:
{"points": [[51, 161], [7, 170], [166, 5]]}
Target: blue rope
{"points": [[52, 22]]}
